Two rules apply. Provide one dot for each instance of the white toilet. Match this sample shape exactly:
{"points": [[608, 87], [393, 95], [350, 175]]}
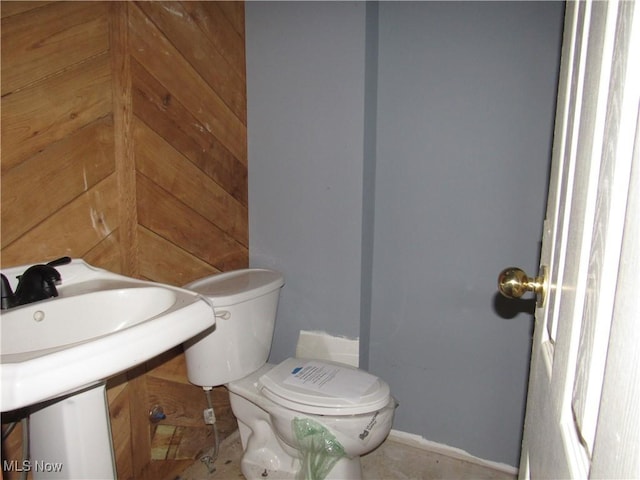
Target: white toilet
{"points": [[304, 419]]}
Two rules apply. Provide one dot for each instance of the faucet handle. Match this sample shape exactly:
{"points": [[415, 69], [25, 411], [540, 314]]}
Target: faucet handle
{"points": [[59, 261], [8, 299]]}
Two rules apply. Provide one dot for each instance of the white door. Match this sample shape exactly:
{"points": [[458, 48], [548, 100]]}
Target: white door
{"points": [[583, 418]]}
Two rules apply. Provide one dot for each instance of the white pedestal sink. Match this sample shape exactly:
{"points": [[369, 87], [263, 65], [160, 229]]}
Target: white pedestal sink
{"points": [[57, 353]]}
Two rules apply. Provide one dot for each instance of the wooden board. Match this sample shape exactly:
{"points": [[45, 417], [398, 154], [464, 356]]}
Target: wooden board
{"points": [[67, 34], [52, 109], [172, 171], [78, 161], [179, 27], [171, 69], [157, 107]]}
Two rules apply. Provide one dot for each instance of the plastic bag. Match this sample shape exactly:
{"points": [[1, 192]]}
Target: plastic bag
{"points": [[319, 447]]}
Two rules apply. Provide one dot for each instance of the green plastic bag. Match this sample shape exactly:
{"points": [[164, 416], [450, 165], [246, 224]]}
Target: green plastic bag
{"points": [[319, 447]]}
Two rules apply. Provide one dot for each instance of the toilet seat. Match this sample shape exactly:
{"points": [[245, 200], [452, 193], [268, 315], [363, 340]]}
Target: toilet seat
{"points": [[322, 387]]}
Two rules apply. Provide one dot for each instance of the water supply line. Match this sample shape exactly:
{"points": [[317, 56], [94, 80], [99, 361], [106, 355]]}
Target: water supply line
{"points": [[210, 419]]}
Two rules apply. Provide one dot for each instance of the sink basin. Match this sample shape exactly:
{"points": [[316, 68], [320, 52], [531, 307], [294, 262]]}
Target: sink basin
{"points": [[100, 324]]}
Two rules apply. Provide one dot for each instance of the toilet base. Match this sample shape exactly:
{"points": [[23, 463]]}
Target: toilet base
{"points": [[344, 469], [265, 457], [256, 470]]}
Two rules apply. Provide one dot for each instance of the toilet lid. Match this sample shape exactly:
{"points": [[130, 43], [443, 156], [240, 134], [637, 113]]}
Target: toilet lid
{"points": [[324, 388]]}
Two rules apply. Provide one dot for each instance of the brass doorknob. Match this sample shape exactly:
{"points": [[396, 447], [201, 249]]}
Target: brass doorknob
{"points": [[513, 283]]}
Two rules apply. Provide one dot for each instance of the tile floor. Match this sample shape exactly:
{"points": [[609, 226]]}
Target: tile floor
{"points": [[393, 460]]}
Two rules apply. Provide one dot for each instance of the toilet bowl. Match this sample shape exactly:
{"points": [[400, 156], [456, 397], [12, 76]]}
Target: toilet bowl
{"points": [[352, 424], [302, 418]]}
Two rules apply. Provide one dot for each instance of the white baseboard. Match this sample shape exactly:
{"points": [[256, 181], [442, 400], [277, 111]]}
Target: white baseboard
{"points": [[419, 442]]}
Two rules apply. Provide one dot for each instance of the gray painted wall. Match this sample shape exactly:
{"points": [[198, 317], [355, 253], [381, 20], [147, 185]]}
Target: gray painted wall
{"points": [[398, 157], [466, 97], [305, 87]]}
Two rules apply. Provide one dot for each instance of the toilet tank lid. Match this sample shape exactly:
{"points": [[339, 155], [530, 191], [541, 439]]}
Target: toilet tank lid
{"points": [[234, 287]]}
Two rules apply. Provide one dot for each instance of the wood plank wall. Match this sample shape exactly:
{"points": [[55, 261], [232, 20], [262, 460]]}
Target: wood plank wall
{"points": [[124, 143]]}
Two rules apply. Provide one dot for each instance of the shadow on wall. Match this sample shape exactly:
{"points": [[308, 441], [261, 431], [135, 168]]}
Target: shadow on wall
{"points": [[508, 308]]}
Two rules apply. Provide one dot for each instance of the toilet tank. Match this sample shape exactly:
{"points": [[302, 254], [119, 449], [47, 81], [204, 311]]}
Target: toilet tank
{"points": [[245, 302]]}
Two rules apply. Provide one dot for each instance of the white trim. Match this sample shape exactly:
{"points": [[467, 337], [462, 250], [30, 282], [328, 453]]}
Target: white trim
{"points": [[419, 442], [318, 345]]}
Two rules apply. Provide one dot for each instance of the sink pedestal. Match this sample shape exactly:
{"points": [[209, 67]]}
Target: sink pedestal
{"points": [[70, 437]]}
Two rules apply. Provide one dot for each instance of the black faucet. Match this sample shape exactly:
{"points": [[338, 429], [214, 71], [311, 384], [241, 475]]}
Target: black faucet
{"points": [[38, 282]]}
